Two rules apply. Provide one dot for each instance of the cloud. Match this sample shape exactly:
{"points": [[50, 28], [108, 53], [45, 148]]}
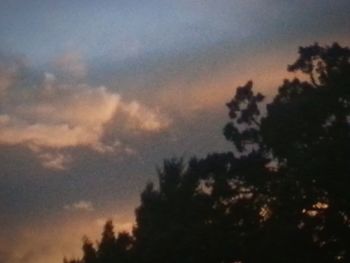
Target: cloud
{"points": [[187, 96], [7, 77], [141, 118], [70, 64], [80, 206], [64, 116], [10, 68], [54, 160], [54, 116]]}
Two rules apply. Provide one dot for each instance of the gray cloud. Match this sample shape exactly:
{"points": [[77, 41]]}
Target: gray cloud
{"points": [[70, 65], [10, 69]]}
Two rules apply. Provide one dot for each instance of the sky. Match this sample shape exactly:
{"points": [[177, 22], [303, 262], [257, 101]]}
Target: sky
{"points": [[94, 95]]}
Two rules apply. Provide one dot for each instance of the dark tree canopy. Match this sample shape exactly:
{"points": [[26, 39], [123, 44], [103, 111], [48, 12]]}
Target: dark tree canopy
{"points": [[281, 195], [89, 252]]}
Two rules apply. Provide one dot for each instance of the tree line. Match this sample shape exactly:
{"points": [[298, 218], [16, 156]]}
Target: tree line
{"points": [[281, 195]]}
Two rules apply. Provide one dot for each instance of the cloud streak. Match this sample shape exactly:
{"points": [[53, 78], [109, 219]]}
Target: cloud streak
{"points": [[81, 205]]}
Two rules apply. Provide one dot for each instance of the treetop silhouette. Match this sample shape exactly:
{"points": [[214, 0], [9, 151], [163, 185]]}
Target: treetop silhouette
{"points": [[281, 195]]}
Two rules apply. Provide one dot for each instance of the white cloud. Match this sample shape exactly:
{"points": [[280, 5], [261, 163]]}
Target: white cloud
{"points": [[54, 161], [80, 206]]}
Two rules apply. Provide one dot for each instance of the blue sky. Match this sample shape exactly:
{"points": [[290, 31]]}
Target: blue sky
{"points": [[40, 29]]}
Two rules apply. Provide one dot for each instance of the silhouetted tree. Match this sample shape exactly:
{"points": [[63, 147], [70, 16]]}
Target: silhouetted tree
{"points": [[164, 226], [89, 252], [305, 132], [124, 244], [307, 128], [107, 248], [280, 196]]}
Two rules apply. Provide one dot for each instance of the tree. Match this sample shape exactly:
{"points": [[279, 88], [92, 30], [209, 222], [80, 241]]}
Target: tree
{"points": [[89, 252], [306, 133], [311, 119], [164, 222], [124, 245], [281, 195], [107, 248]]}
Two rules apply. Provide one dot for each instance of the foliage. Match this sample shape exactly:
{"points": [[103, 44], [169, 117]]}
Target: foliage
{"points": [[280, 196]]}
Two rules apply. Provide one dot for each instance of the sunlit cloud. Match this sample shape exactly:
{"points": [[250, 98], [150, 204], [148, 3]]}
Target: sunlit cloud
{"points": [[128, 85], [209, 92], [56, 115], [61, 117], [141, 118]]}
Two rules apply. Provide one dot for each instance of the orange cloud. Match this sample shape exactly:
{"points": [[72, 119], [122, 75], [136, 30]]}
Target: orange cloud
{"points": [[211, 92], [196, 90], [57, 116], [69, 116], [142, 118]]}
